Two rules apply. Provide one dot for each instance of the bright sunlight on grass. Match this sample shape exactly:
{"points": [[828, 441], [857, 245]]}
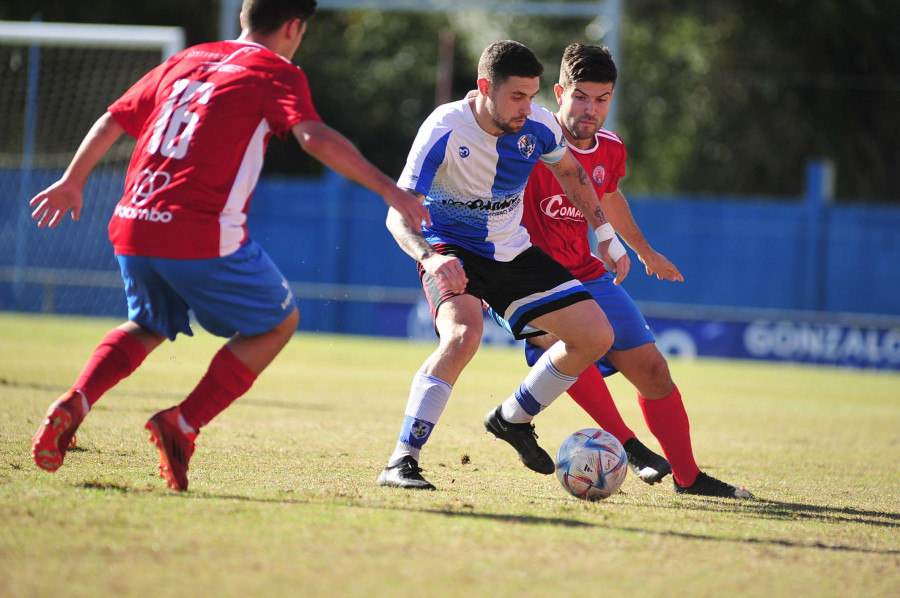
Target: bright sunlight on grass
{"points": [[283, 500]]}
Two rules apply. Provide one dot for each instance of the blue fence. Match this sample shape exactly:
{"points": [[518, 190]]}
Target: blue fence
{"points": [[802, 259]]}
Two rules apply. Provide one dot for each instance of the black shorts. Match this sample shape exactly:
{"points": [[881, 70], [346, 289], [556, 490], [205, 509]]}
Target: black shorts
{"points": [[529, 286]]}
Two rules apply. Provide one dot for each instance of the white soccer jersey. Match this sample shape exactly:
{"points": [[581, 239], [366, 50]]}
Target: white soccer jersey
{"points": [[473, 181]]}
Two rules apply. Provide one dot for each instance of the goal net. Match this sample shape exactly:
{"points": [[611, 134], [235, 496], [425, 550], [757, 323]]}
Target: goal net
{"points": [[55, 81]]}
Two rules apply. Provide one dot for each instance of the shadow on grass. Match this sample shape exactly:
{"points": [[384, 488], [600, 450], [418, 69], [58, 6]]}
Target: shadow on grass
{"points": [[774, 509], [54, 390], [789, 511], [662, 534]]}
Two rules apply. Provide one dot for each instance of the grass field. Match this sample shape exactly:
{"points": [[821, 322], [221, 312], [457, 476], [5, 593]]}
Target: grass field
{"points": [[283, 500]]}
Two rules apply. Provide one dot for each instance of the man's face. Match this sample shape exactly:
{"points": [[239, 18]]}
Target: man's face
{"points": [[583, 107], [509, 104]]}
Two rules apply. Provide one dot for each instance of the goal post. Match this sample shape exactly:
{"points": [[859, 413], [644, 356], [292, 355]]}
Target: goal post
{"points": [[168, 40], [56, 79]]}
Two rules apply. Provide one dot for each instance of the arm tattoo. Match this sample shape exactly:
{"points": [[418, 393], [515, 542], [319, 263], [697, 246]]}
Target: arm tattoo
{"points": [[409, 239], [582, 175], [581, 201]]}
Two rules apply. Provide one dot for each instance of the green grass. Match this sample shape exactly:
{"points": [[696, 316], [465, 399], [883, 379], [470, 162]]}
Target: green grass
{"points": [[283, 500]]}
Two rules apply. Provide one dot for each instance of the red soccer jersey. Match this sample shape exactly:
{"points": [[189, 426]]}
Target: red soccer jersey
{"points": [[202, 120], [555, 225]]}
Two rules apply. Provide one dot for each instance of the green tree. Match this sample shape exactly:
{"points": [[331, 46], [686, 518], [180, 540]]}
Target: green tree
{"points": [[733, 97], [724, 98]]}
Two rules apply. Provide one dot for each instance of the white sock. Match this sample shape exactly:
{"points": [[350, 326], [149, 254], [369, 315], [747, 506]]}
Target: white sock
{"points": [[403, 450], [427, 398], [541, 387]]}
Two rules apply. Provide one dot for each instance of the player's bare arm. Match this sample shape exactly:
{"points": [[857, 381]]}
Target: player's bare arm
{"points": [[410, 239], [51, 204], [620, 216], [334, 150], [578, 187]]}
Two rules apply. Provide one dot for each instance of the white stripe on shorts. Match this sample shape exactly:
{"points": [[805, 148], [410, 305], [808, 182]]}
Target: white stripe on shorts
{"points": [[541, 298]]}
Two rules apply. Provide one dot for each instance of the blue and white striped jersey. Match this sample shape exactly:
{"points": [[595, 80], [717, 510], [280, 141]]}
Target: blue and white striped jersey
{"points": [[473, 181]]}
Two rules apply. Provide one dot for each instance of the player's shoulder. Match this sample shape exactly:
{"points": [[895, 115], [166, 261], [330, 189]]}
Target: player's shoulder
{"points": [[448, 117], [607, 137], [239, 56], [608, 144], [453, 113]]}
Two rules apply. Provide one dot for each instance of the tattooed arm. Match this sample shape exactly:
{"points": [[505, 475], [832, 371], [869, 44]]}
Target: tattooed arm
{"points": [[580, 190], [445, 268]]}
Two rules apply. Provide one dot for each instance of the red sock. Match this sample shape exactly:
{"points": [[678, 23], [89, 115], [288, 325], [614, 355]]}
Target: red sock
{"points": [[592, 395], [117, 355], [668, 421], [226, 379]]}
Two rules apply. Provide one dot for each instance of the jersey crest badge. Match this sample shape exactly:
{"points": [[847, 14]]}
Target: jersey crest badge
{"points": [[599, 174], [527, 144]]}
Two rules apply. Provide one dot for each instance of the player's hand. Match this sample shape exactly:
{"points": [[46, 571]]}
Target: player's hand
{"points": [[656, 263], [448, 270], [409, 206], [51, 204], [619, 266]]}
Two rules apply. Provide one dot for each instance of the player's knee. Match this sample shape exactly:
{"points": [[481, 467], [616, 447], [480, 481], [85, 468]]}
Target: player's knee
{"points": [[658, 371], [288, 326], [590, 346], [461, 339], [600, 339]]}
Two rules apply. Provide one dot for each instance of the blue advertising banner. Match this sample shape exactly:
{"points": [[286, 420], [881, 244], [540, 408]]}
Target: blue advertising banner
{"points": [[781, 339], [843, 340]]}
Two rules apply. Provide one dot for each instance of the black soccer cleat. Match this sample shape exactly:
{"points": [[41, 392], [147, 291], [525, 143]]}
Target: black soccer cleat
{"points": [[646, 464], [706, 485], [523, 438], [404, 474]]}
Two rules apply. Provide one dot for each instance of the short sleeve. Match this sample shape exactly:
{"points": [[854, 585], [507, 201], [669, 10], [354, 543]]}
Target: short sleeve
{"points": [[426, 154], [135, 107], [556, 153], [554, 142], [288, 100], [617, 171]]}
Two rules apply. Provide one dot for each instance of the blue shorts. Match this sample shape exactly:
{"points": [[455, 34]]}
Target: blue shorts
{"points": [[242, 292], [630, 327]]}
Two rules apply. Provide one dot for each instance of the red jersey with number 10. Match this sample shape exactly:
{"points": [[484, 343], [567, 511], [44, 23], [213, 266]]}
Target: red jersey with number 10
{"points": [[202, 120], [555, 225]]}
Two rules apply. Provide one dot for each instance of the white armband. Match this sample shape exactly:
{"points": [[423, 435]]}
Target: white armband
{"points": [[605, 232]]}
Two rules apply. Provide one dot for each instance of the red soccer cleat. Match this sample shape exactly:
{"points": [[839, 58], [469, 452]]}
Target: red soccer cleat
{"points": [[175, 447], [57, 432]]}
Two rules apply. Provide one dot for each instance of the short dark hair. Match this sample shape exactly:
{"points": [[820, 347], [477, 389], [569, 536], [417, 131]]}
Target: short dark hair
{"points": [[504, 59], [267, 16], [582, 62]]}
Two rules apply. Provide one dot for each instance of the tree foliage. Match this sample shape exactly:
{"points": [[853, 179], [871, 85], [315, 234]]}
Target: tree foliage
{"points": [[734, 96], [727, 98]]}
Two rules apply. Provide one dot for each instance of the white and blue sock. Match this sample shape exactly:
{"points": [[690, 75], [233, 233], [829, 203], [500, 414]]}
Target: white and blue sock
{"points": [[541, 387], [427, 398]]}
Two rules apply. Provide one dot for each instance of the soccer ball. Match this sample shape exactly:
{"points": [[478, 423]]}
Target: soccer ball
{"points": [[591, 464]]}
